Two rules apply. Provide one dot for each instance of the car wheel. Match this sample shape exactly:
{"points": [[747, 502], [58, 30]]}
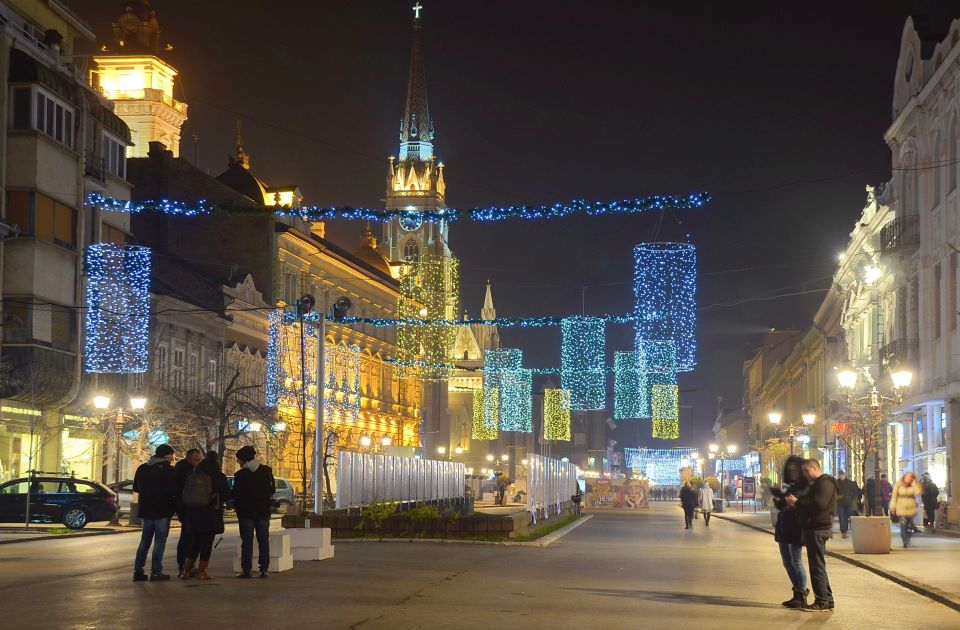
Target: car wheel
{"points": [[76, 518], [282, 507]]}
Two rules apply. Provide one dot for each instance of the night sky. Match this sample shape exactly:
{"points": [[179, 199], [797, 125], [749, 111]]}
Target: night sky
{"points": [[778, 109]]}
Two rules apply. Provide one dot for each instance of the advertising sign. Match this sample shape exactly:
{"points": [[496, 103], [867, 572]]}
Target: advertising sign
{"points": [[749, 488]]}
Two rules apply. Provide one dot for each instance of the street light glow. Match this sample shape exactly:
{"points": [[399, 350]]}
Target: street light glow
{"points": [[847, 378], [775, 417], [365, 441], [101, 402], [714, 448], [505, 457], [458, 450], [731, 448], [385, 441], [489, 458], [442, 449], [809, 418], [902, 379], [137, 402]]}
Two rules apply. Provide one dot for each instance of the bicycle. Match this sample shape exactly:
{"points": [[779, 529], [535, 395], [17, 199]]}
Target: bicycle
{"points": [[577, 500]]}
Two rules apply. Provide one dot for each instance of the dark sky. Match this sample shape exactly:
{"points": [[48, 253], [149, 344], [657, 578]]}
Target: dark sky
{"points": [[542, 101]]}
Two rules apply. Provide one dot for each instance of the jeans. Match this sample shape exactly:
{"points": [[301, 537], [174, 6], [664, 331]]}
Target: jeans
{"points": [[816, 543], [688, 516], [155, 530], [844, 511], [886, 507], [906, 529], [186, 540], [792, 556], [930, 513], [249, 526]]}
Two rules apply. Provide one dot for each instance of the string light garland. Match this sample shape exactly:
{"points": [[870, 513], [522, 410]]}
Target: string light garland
{"points": [[664, 411], [556, 414], [665, 285], [116, 329], [449, 215], [491, 411], [660, 465], [583, 369], [505, 322], [727, 464], [630, 389], [480, 429], [429, 292]]}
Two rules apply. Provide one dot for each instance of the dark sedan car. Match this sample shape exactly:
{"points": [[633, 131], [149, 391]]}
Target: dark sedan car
{"points": [[54, 499]]}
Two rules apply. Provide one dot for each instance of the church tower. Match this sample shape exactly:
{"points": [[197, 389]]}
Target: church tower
{"points": [[132, 75], [415, 177]]}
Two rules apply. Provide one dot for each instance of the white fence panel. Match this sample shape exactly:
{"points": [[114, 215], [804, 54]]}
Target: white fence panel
{"points": [[363, 478], [550, 483]]}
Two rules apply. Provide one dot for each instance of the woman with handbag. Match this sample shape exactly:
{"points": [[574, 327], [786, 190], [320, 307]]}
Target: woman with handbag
{"points": [[903, 504], [204, 493]]}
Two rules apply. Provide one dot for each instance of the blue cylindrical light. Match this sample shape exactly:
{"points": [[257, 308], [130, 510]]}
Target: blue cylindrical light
{"points": [[665, 286]]}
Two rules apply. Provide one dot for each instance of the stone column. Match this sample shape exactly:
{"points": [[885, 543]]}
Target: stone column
{"points": [[953, 449]]}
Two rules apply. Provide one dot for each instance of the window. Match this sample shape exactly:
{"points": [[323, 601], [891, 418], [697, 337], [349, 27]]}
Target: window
{"points": [[34, 108], [936, 301], [411, 250], [179, 357], [110, 234], [162, 362], [42, 217], [935, 169], [193, 371], [212, 377], [114, 156]]}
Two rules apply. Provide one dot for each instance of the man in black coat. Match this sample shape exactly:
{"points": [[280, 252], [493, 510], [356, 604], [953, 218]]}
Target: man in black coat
{"points": [[931, 500], [183, 469], [156, 483], [816, 509], [253, 489], [847, 500]]}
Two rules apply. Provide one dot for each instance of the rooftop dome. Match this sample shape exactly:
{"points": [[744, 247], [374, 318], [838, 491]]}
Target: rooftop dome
{"points": [[368, 252]]}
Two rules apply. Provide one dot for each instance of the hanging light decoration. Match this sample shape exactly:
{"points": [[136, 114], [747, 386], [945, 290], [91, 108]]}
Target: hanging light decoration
{"points": [[556, 414], [660, 465], [630, 389], [665, 411], [429, 291], [516, 400], [665, 284], [480, 430], [582, 363]]}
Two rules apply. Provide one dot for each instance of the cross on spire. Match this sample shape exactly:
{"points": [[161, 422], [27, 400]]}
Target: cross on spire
{"points": [[416, 11]]}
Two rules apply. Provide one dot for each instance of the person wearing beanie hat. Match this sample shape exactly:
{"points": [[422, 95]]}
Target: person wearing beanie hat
{"points": [[253, 489], [156, 483]]}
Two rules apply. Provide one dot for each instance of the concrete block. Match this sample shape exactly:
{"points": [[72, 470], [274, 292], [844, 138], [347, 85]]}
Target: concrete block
{"points": [[277, 564], [313, 537], [306, 554]]}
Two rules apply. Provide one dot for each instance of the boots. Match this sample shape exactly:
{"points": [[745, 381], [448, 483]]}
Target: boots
{"points": [[799, 599], [203, 575], [187, 569]]}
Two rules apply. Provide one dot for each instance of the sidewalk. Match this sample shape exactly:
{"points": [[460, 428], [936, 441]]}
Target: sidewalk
{"points": [[929, 566]]}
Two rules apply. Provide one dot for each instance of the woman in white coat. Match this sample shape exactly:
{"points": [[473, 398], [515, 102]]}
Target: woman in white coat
{"points": [[706, 502]]}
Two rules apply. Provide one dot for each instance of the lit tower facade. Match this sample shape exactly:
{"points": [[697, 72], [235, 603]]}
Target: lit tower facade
{"points": [[132, 75]]}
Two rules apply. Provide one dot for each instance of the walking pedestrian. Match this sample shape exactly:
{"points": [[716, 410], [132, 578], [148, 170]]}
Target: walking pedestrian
{"points": [[182, 470], [204, 492], [156, 484], [253, 488], [688, 501], [816, 509], [903, 505], [706, 502], [846, 501], [787, 531], [931, 500], [886, 491]]}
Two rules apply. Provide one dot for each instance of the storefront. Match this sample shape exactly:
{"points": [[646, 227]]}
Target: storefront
{"points": [[21, 440], [81, 449]]}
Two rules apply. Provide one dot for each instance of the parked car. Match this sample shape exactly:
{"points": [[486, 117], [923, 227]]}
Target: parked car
{"points": [[283, 497], [124, 492], [57, 499]]}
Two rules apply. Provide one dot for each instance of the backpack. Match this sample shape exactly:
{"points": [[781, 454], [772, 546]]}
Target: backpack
{"points": [[198, 489]]}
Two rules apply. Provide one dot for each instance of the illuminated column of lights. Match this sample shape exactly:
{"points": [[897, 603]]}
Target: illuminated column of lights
{"points": [[516, 400], [665, 284], [556, 414], [497, 363], [660, 465], [582, 363], [486, 414], [118, 308], [429, 290], [665, 411], [657, 357], [342, 375], [630, 389]]}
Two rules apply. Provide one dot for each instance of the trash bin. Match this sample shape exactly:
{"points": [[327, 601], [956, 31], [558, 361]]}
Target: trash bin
{"points": [[718, 505]]}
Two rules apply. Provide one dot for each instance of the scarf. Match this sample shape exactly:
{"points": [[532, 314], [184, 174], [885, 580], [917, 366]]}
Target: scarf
{"points": [[153, 461], [252, 465]]}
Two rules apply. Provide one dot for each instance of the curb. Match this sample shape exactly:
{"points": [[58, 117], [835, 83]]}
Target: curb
{"points": [[105, 532], [546, 540], [927, 591]]}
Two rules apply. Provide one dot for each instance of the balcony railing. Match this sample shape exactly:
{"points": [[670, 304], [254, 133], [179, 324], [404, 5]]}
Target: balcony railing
{"points": [[899, 352], [902, 235], [93, 167]]}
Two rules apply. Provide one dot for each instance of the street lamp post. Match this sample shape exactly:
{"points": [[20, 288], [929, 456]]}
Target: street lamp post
{"points": [[102, 403], [808, 418]]}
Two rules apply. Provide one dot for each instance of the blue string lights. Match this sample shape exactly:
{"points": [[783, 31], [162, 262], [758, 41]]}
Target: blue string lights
{"points": [[657, 357], [630, 389], [556, 414], [660, 465], [665, 284], [513, 387], [449, 215], [118, 301], [582, 361]]}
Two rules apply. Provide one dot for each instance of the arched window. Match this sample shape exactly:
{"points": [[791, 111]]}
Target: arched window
{"points": [[411, 250], [952, 165]]}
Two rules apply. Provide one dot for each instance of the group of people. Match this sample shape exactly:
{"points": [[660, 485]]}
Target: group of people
{"points": [[691, 500], [196, 490], [663, 494]]}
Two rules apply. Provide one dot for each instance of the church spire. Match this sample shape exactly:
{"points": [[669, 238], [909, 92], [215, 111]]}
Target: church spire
{"points": [[488, 312], [416, 127], [239, 155]]}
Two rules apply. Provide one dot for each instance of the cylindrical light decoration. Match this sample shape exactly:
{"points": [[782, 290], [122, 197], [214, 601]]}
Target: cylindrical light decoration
{"points": [[582, 364], [429, 291], [630, 389], [516, 400], [556, 414], [657, 357], [665, 411], [665, 284], [118, 308], [480, 430]]}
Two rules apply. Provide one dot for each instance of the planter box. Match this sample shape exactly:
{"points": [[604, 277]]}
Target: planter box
{"points": [[871, 534]]}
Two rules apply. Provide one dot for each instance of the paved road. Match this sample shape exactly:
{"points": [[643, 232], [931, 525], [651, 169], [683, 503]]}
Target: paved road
{"points": [[615, 571]]}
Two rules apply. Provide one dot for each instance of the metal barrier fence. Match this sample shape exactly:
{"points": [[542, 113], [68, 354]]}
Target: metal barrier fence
{"points": [[363, 478], [550, 484]]}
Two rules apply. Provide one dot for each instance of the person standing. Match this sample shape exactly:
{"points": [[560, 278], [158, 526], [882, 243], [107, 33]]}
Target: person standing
{"points": [[253, 489], [204, 492], [182, 470], [886, 491], [156, 484], [816, 509], [903, 505], [787, 531], [931, 500], [706, 502], [846, 501], [688, 501]]}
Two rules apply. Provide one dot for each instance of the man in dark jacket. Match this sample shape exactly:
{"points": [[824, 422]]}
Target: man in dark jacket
{"points": [[156, 483], [253, 489], [931, 500], [816, 509], [183, 469], [847, 501]]}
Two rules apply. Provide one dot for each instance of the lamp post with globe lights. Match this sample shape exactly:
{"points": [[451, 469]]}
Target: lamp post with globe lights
{"points": [[807, 418], [862, 432], [101, 403]]}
